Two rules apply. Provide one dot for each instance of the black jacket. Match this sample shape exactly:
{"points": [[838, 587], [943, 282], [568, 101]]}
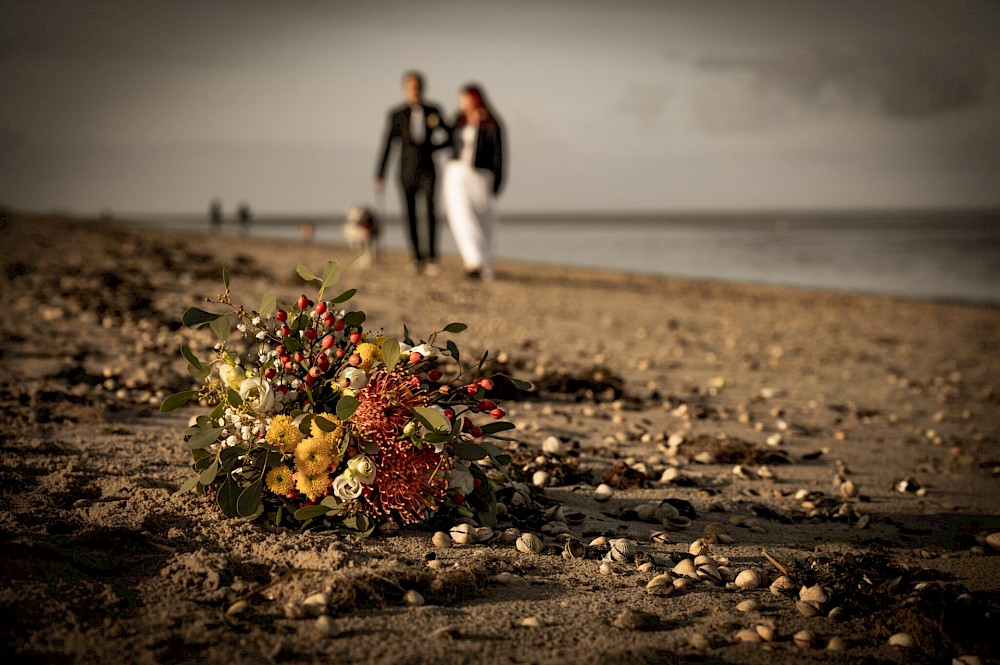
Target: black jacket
{"points": [[415, 160], [489, 148]]}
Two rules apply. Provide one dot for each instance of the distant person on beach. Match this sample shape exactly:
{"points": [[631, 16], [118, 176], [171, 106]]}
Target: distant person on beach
{"points": [[413, 125], [472, 181], [243, 216], [215, 215]]}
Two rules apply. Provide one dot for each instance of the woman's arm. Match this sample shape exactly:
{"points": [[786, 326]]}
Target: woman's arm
{"points": [[497, 159]]}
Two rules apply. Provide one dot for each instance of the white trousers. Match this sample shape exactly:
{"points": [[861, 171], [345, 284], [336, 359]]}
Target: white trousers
{"points": [[472, 214]]}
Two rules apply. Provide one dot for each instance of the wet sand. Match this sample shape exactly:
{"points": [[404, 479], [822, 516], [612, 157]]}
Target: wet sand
{"points": [[102, 562]]}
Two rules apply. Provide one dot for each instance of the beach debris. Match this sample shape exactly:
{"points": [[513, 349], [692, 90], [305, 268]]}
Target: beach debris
{"points": [[748, 605], [238, 608], [509, 579], [552, 446], [782, 585], [633, 619], [606, 568], [531, 622], [529, 543], [324, 625], [993, 540], [901, 640], [573, 549], [748, 579], [765, 631], [698, 641], [784, 571], [413, 598], [660, 585], [848, 489], [316, 604], [541, 478], [748, 635], [836, 643], [862, 522], [510, 536], [603, 492], [909, 485], [685, 568], [463, 534], [446, 632], [441, 540], [621, 476]]}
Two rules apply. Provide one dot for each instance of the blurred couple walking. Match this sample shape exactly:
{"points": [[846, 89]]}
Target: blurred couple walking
{"points": [[472, 178]]}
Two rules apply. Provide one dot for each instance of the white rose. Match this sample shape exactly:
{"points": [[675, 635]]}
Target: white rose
{"points": [[363, 468], [357, 378], [346, 486], [232, 375], [461, 479], [426, 350], [256, 393]]}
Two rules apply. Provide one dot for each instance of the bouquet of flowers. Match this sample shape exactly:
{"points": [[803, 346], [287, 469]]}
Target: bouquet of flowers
{"points": [[320, 423]]}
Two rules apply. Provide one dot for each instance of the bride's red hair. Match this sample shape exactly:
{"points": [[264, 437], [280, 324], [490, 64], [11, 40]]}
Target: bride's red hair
{"points": [[478, 98]]}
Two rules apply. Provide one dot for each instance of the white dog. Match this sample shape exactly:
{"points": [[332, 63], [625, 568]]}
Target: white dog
{"points": [[361, 231]]}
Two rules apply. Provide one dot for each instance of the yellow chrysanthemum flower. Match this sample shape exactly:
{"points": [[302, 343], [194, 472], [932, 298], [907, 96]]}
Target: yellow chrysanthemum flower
{"points": [[313, 486], [313, 456], [279, 480], [283, 433], [369, 353]]}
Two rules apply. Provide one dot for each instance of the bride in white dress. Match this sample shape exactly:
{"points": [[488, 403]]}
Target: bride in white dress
{"points": [[472, 180]]}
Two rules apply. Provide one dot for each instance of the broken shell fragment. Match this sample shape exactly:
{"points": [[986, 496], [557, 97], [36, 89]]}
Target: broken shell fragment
{"points": [[573, 549], [782, 585], [600, 541]]}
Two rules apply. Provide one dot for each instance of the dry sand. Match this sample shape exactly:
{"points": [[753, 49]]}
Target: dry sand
{"points": [[102, 562]]}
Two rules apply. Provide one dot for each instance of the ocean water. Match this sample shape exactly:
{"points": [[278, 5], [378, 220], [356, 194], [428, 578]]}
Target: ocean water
{"points": [[937, 256]]}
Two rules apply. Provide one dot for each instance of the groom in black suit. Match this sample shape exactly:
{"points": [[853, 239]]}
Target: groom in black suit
{"points": [[413, 124]]}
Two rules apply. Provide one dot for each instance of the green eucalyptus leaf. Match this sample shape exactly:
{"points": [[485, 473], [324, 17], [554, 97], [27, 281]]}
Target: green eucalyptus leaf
{"points": [[354, 319], [207, 476], [453, 349], [191, 358], [291, 344], [493, 428], [304, 424], [268, 304], [346, 406], [311, 512], [221, 327], [195, 318], [431, 419], [188, 485], [199, 373], [455, 327], [233, 398], [325, 424], [217, 412], [305, 273], [227, 496], [406, 336], [468, 450], [249, 501], [390, 352], [204, 438], [177, 400], [230, 456], [225, 278], [331, 275], [344, 297]]}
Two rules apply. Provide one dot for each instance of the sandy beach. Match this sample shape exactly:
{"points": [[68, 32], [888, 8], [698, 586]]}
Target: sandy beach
{"points": [[855, 439]]}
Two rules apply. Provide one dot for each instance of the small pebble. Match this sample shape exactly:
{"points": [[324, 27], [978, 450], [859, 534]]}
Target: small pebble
{"points": [[631, 619], [531, 622]]}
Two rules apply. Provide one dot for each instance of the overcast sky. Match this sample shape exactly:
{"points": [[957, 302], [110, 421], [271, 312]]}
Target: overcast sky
{"points": [[159, 106]]}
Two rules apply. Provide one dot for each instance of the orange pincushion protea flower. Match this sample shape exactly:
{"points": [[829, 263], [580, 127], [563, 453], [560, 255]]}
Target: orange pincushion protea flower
{"points": [[410, 481], [385, 406]]}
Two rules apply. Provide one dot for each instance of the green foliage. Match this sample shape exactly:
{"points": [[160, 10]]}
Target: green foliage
{"points": [[204, 438], [344, 297], [468, 450], [390, 352], [177, 400], [195, 318], [268, 304], [431, 419], [221, 327], [346, 406], [455, 327], [249, 501]]}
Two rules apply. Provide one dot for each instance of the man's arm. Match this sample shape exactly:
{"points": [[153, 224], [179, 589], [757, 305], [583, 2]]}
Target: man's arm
{"points": [[447, 131], [391, 132]]}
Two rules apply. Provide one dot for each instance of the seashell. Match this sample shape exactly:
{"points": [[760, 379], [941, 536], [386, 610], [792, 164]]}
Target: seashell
{"points": [[324, 625], [484, 534], [666, 511], [555, 528], [446, 632], [902, 640], [682, 582], [806, 609], [698, 641], [814, 595], [710, 573], [510, 579], [237, 608], [463, 534], [725, 539], [702, 559], [748, 635], [676, 523], [622, 549], [646, 567], [413, 598], [748, 605], [862, 522], [848, 489], [529, 543], [836, 613], [540, 478], [766, 632], [659, 537], [836, 644], [721, 560], [685, 568], [698, 547], [509, 536], [441, 540], [600, 541], [646, 511], [993, 540], [716, 528], [766, 472], [748, 579], [315, 604], [555, 514], [574, 549], [552, 446], [967, 659], [603, 492], [531, 622], [606, 568], [670, 475], [782, 585], [501, 508], [727, 573], [293, 611], [804, 639], [660, 585]]}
